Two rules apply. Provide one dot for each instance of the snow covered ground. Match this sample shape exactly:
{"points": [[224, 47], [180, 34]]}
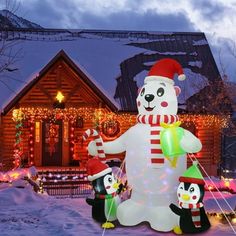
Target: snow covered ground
{"points": [[25, 213]]}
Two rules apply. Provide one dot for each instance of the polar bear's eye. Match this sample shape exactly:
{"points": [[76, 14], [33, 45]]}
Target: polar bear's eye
{"points": [[160, 92], [142, 92]]}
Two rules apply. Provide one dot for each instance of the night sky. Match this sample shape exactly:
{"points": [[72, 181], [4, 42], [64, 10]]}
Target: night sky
{"points": [[216, 18]]}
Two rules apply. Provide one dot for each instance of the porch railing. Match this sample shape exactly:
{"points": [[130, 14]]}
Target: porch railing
{"points": [[64, 183]]}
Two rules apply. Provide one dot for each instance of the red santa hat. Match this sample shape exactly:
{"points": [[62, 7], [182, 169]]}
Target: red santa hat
{"points": [[164, 70], [96, 169]]}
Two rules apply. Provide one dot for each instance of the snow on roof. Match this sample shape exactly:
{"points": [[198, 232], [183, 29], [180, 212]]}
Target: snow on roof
{"points": [[194, 83], [100, 54], [166, 53], [195, 63], [100, 57], [200, 42], [98, 85], [139, 78]]}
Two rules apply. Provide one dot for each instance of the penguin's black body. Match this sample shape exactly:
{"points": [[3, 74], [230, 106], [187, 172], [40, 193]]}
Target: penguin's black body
{"points": [[196, 192], [186, 223], [99, 204]]}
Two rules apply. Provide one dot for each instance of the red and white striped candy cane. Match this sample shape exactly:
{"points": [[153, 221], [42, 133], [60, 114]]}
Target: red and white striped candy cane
{"points": [[98, 140]]}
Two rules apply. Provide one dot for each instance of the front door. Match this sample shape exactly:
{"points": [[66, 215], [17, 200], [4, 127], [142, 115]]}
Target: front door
{"points": [[52, 144]]}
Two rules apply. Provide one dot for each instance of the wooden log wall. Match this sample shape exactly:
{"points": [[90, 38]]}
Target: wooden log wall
{"points": [[8, 137], [209, 156]]}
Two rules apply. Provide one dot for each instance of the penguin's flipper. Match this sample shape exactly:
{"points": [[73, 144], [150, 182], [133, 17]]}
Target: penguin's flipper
{"points": [[120, 188], [177, 230], [175, 209], [90, 201], [108, 225]]}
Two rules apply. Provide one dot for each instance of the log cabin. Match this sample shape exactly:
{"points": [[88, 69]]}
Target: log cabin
{"points": [[43, 121]]}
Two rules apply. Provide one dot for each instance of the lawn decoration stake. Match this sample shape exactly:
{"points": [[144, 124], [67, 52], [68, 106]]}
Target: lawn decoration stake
{"points": [[149, 173]]}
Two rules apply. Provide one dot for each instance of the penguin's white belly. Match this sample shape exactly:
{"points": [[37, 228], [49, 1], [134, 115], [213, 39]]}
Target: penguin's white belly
{"points": [[108, 213], [142, 176]]}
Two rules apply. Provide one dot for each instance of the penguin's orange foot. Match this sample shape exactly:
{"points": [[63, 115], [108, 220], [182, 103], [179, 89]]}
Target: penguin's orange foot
{"points": [[108, 225], [177, 230]]}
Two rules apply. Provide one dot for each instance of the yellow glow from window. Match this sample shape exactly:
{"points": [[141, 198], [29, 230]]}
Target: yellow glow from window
{"points": [[66, 126], [37, 131]]}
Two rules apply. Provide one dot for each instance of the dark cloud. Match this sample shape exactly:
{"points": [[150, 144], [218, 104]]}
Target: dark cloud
{"points": [[67, 15], [133, 21], [211, 10], [47, 13]]}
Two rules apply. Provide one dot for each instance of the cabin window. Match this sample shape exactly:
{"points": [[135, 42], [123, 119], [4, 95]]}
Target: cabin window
{"points": [[79, 123]]}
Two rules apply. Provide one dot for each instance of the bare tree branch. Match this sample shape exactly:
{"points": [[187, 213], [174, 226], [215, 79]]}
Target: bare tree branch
{"points": [[10, 52]]}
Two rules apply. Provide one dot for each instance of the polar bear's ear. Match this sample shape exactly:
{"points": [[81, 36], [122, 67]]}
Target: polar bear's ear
{"points": [[177, 90]]}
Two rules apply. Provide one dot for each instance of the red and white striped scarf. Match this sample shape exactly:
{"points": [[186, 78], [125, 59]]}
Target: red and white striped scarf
{"points": [[156, 155], [195, 211]]}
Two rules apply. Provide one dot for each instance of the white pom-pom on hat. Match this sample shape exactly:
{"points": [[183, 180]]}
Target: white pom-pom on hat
{"points": [[182, 77]]}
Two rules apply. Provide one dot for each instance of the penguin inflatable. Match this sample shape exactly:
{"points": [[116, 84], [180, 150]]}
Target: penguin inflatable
{"points": [[193, 218], [106, 188]]}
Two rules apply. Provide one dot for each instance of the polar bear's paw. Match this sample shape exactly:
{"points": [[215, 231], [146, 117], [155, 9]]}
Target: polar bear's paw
{"points": [[130, 213], [189, 143], [162, 218], [92, 149]]}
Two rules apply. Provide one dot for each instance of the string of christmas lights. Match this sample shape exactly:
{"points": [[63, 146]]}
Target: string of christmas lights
{"points": [[31, 143], [71, 138], [66, 114], [206, 120], [103, 120], [222, 218], [101, 114], [18, 116]]}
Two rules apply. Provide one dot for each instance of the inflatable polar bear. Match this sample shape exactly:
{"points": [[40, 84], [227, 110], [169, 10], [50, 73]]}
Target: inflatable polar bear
{"points": [[152, 178]]}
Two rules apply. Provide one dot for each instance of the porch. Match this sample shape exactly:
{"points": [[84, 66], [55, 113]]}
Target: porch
{"points": [[64, 182]]}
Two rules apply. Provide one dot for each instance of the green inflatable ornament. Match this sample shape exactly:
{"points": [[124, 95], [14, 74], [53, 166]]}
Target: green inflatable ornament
{"points": [[170, 137]]}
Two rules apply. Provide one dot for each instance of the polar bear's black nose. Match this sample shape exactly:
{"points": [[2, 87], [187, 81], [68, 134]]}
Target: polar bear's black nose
{"points": [[149, 97]]}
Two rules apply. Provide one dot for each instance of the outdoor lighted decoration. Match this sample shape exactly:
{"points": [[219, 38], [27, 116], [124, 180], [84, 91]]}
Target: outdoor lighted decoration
{"points": [[60, 96], [110, 128], [152, 177], [59, 103], [18, 117]]}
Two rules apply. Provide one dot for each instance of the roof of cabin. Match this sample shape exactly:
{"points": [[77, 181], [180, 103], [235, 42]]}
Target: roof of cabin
{"points": [[61, 55], [115, 61]]}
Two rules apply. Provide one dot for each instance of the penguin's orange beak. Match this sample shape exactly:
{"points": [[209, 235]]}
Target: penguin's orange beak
{"points": [[185, 197]]}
